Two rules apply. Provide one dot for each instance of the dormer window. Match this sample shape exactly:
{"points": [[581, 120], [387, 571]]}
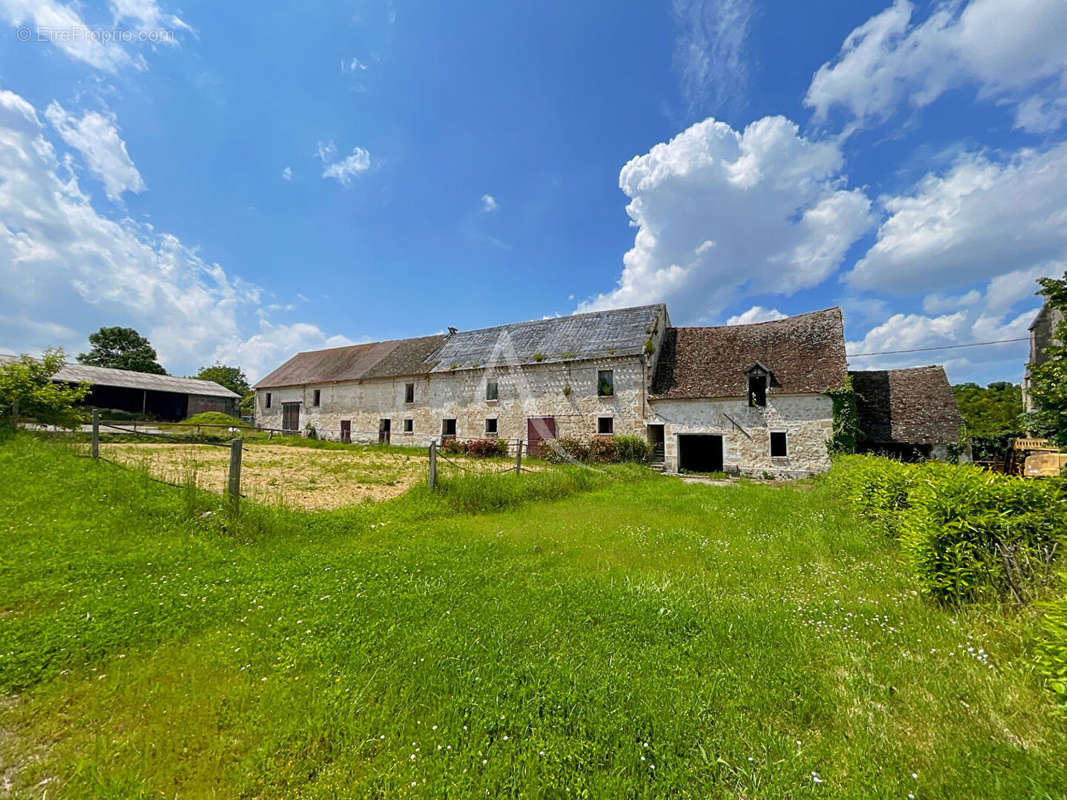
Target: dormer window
{"points": [[758, 379]]}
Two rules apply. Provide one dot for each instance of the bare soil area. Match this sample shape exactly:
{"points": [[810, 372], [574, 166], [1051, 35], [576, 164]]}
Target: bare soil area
{"points": [[294, 476]]}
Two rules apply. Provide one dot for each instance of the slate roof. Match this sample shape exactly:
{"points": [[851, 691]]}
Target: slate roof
{"points": [[907, 406], [804, 354], [127, 379], [600, 334]]}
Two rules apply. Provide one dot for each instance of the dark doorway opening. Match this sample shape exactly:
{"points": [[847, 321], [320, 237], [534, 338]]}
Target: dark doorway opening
{"points": [[700, 453], [346, 431], [655, 444], [384, 429], [538, 429]]}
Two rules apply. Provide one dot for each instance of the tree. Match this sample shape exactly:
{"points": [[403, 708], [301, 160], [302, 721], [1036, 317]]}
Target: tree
{"points": [[121, 348], [991, 415], [233, 378], [27, 383], [1048, 380]]}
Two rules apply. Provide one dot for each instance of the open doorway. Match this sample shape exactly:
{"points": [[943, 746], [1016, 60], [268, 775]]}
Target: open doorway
{"points": [[385, 429], [700, 453], [655, 444]]}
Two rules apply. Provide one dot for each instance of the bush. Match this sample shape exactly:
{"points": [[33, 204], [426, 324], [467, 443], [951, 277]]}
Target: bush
{"points": [[478, 448], [1052, 646], [486, 448], [967, 534], [631, 448], [877, 488], [602, 450], [557, 451], [973, 535]]}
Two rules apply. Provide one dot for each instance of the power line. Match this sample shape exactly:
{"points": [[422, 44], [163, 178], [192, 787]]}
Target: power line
{"points": [[943, 347]]}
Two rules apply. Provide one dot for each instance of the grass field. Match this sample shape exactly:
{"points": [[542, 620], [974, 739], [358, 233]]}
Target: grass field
{"points": [[293, 474], [635, 637]]}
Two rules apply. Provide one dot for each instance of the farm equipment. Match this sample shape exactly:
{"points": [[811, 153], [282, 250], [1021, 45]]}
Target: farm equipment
{"points": [[1033, 458]]}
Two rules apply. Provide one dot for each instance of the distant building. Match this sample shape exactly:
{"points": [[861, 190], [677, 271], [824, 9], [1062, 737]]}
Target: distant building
{"points": [[159, 397], [1042, 336], [907, 413]]}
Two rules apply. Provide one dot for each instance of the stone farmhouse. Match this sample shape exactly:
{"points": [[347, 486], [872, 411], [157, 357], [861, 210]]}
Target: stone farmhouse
{"points": [[746, 399]]}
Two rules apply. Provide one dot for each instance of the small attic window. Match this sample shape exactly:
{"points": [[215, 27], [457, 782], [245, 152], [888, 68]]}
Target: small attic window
{"points": [[492, 390], [409, 393], [605, 382], [266, 402], [758, 378], [317, 399]]}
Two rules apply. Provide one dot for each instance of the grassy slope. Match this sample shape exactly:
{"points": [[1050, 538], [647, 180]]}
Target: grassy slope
{"points": [[749, 635]]}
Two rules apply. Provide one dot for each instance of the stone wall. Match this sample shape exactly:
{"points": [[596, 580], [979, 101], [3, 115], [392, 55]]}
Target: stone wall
{"points": [[806, 419], [528, 391]]}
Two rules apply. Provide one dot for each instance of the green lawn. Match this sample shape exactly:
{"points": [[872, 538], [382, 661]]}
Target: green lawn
{"points": [[637, 637]]}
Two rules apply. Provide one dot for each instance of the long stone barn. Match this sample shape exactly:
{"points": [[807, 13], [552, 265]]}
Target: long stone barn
{"points": [[745, 399]]}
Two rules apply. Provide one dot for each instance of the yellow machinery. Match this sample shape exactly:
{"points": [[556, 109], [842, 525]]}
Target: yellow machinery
{"points": [[1033, 458]]}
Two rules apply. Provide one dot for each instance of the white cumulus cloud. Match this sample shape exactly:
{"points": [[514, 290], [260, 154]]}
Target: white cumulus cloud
{"points": [[722, 214], [61, 259], [489, 203], [1013, 50], [96, 137], [981, 219]]}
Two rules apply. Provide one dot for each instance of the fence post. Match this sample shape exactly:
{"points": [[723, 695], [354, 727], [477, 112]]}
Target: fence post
{"points": [[15, 414], [233, 484], [95, 447], [518, 457], [433, 465]]}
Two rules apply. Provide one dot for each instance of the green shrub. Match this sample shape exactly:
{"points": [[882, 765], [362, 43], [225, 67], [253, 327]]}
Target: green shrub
{"points": [[557, 451], [1052, 646], [972, 535], [486, 448], [452, 447], [631, 448], [877, 488], [602, 450]]}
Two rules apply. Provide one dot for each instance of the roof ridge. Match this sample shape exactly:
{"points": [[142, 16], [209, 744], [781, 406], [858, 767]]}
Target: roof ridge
{"points": [[763, 322], [566, 316]]}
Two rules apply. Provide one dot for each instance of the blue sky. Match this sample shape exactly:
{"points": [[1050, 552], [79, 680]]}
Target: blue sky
{"points": [[241, 182]]}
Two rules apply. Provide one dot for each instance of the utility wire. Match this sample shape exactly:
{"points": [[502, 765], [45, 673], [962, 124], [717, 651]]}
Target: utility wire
{"points": [[943, 347]]}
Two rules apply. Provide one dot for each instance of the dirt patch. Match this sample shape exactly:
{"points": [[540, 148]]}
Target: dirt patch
{"points": [[293, 476]]}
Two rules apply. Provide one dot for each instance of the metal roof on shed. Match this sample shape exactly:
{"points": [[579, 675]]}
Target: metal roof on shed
{"points": [[127, 379]]}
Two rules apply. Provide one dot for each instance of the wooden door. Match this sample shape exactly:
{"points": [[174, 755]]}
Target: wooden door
{"points": [[384, 429], [346, 431], [290, 417], [538, 428]]}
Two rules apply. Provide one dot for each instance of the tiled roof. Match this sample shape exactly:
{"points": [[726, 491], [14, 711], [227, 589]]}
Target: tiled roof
{"points": [[599, 334], [128, 379], [907, 406], [804, 354]]}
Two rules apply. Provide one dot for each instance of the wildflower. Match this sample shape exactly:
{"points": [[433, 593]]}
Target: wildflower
{"points": [[815, 777]]}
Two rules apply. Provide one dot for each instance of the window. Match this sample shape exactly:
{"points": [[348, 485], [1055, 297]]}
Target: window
{"points": [[266, 403], [779, 445], [490, 426], [492, 391], [316, 400], [409, 425], [448, 428], [605, 426], [409, 393], [757, 387], [605, 383]]}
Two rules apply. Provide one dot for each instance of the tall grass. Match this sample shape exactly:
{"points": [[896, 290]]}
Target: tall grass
{"points": [[637, 638]]}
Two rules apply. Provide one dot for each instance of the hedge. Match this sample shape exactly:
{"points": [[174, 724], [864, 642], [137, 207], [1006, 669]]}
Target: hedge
{"points": [[966, 534], [598, 450]]}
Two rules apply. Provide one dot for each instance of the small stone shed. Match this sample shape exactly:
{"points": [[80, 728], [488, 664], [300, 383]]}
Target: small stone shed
{"points": [[909, 414]]}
